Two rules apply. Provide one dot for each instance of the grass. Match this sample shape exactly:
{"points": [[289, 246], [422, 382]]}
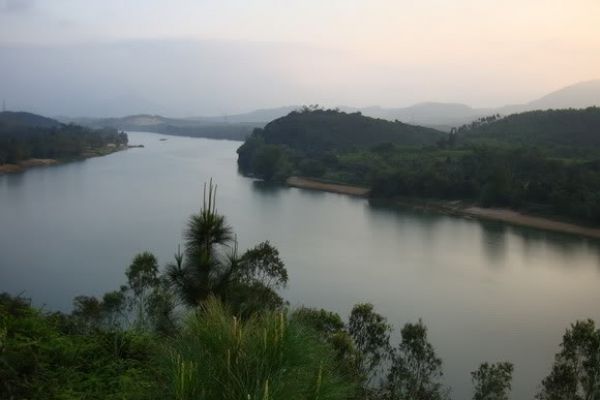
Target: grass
{"points": [[268, 356]]}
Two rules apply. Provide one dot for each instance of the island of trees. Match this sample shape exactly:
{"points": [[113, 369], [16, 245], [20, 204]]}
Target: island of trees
{"points": [[25, 136], [541, 162], [211, 325]]}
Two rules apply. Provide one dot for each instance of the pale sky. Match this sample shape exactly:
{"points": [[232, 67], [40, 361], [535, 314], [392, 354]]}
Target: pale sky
{"points": [[350, 52]]}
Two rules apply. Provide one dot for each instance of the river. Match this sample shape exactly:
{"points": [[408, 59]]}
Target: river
{"points": [[486, 291]]}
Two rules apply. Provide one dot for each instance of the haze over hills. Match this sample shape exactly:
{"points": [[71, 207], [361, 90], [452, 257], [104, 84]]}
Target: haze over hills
{"points": [[437, 115]]}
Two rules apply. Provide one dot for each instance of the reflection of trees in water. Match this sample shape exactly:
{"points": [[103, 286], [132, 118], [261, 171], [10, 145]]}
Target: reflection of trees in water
{"points": [[268, 188], [423, 222], [494, 241]]}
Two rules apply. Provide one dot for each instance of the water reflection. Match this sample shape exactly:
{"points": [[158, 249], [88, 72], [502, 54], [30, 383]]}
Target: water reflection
{"points": [[494, 241], [511, 290]]}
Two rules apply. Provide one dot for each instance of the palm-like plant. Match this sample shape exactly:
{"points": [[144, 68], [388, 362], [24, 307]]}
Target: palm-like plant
{"points": [[210, 265], [197, 274]]}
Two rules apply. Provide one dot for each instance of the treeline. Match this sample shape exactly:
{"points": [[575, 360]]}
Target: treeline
{"points": [[211, 325], [24, 136], [545, 162]]}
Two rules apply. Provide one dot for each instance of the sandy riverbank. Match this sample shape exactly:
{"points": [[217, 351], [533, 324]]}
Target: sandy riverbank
{"points": [[457, 208], [23, 165], [305, 183], [517, 218], [44, 162]]}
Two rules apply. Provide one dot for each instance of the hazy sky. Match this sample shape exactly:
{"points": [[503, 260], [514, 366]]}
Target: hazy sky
{"points": [[232, 55]]}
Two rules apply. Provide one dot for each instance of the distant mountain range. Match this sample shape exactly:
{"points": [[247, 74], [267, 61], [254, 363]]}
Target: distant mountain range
{"points": [[442, 116]]}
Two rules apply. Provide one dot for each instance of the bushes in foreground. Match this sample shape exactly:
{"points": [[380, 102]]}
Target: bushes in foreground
{"points": [[267, 356]]}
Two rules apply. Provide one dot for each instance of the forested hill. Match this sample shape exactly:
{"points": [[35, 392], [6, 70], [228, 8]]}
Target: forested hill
{"points": [[308, 141], [323, 130], [16, 119], [25, 135], [572, 127], [543, 162]]}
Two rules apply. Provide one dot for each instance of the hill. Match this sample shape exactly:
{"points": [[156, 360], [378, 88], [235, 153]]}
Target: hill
{"points": [[324, 130], [579, 95], [195, 127], [25, 136], [14, 119], [564, 128], [306, 141], [444, 116]]}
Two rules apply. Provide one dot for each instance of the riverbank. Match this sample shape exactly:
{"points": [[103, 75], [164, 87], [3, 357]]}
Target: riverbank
{"points": [[26, 164], [307, 183], [45, 162], [461, 209], [456, 208]]}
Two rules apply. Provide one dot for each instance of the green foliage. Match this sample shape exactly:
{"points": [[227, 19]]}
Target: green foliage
{"points": [[544, 162], [415, 369], [212, 267], [200, 273], [267, 356], [24, 136], [306, 141], [371, 335], [576, 371], [270, 163], [43, 356], [142, 274], [550, 128], [332, 329], [492, 381]]}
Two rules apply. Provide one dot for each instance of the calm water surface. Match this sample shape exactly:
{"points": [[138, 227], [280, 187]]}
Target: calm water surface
{"points": [[486, 291]]}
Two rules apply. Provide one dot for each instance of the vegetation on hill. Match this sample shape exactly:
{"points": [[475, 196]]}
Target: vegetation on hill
{"points": [[309, 140], [208, 128], [211, 326], [25, 135], [545, 162], [556, 130]]}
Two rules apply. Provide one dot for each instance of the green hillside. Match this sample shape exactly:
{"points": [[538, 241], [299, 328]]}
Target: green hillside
{"points": [[308, 142], [25, 135], [322, 130], [542, 162], [563, 128], [15, 119]]}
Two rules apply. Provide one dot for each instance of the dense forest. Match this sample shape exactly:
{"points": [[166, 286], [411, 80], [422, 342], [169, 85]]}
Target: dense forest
{"points": [[24, 135], [211, 325], [545, 162]]}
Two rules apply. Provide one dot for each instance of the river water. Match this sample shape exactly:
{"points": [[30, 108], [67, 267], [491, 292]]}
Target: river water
{"points": [[486, 291]]}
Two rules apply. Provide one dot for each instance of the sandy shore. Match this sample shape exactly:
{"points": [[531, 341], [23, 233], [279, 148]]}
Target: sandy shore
{"points": [[305, 183], [44, 162], [457, 208], [517, 218], [23, 165]]}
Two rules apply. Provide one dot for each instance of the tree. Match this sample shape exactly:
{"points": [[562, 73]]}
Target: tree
{"points": [[89, 311], [415, 368], [142, 277], [575, 374], [492, 381], [269, 162], [331, 329], [371, 335], [195, 275], [211, 265], [114, 304]]}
